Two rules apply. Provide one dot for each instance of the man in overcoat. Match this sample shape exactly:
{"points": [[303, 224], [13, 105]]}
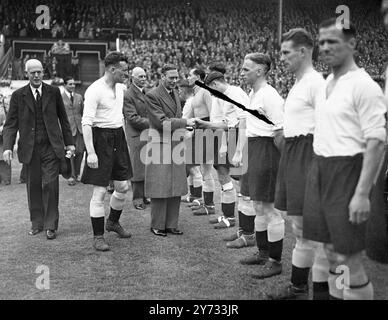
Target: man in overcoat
{"points": [[135, 114], [165, 171]]}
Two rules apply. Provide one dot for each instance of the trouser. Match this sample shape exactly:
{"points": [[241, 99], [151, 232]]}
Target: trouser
{"points": [[138, 191], [43, 187], [79, 153], [165, 212], [5, 172]]}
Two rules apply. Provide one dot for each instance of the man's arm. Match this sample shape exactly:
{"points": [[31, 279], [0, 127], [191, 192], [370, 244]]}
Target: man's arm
{"points": [[11, 124], [158, 117], [370, 106], [131, 115], [64, 121], [359, 207], [211, 125], [279, 139]]}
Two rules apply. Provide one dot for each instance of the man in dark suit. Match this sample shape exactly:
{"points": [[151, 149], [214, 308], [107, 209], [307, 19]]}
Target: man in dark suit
{"points": [[74, 106], [135, 114], [37, 111], [165, 173]]}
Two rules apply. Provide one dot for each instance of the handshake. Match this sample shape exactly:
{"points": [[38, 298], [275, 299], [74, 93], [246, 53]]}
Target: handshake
{"points": [[196, 123]]}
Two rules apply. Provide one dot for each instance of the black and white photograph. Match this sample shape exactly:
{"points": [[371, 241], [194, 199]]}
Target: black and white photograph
{"points": [[194, 154]]}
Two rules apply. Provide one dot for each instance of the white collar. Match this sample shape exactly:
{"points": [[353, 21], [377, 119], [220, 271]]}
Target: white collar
{"points": [[33, 90], [140, 89], [67, 93]]}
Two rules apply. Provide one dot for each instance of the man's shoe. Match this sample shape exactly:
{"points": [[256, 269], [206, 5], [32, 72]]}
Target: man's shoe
{"points": [[290, 292], [116, 227], [174, 231], [216, 220], [270, 269], [158, 232], [99, 243], [146, 200], [196, 203], [71, 181], [242, 242], [33, 232], [234, 235], [50, 234], [203, 210], [258, 258], [226, 223], [140, 206]]}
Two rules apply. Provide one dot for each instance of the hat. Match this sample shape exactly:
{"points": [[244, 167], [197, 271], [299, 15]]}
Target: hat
{"points": [[66, 166], [214, 75]]}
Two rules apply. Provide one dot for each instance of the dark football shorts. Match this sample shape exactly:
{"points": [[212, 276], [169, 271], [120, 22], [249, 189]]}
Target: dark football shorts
{"points": [[295, 162], [330, 186], [113, 158], [263, 163]]}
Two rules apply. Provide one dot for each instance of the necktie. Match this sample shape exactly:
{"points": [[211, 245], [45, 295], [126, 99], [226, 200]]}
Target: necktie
{"points": [[71, 98], [172, 95], [37, 95]]}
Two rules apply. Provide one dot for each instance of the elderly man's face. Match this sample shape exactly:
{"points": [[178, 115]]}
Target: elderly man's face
{"points": [[35, 75]]}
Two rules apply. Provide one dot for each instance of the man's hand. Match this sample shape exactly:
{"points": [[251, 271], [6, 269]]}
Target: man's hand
{"points": [[92, 161], [70, 148], [237, 158], [191, 122], [7, 156], [201, 124], [359, 208]]}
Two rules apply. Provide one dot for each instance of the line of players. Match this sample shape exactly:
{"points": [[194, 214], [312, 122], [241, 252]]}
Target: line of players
{"points": [[318, 162]]}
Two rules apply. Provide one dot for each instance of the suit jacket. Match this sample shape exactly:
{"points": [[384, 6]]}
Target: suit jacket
{"points": [[74, 112], [21, 116], [167, 178], [135, 114]]}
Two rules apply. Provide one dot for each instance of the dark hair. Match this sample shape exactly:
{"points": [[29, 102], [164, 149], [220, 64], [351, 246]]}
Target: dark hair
{"points": [[214, 75], [300, 37], [347, 32], [217, 66], [67, 79], [168, 67], [260, 58], [114, 58], [200, 73]]}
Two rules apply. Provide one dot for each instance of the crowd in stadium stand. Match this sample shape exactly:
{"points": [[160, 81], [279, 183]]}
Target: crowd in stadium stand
{"points": [[193, 33]]}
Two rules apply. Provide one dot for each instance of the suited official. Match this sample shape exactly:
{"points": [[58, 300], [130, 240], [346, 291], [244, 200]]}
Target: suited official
{"points": [[37, 111], [74, 106], [165, 179], [135, 114]]}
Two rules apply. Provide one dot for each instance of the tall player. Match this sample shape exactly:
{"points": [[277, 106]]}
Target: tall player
{"points": [[296, 53], [264, 142], [348, 144], [108, 156], [224, 119]]}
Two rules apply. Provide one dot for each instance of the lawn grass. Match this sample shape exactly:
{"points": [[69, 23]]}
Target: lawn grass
{"points": [[196, 265]]}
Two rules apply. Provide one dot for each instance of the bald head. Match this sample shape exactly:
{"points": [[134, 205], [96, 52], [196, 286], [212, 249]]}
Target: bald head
{"points": [[34, 71], [33, 63], [139, 77]]}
